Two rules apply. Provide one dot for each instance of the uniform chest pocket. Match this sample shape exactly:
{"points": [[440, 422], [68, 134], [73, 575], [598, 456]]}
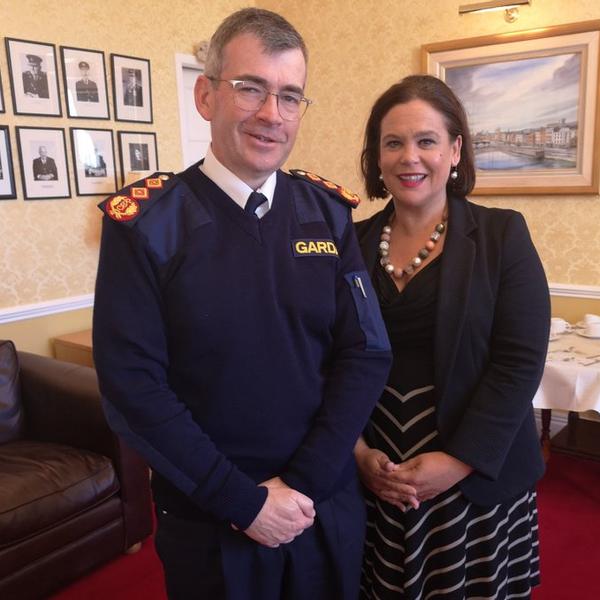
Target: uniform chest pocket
{"points": [[367, 308]]}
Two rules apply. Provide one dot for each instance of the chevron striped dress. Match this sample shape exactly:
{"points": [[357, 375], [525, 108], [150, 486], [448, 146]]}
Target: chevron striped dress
{"points": [[449, 548]]}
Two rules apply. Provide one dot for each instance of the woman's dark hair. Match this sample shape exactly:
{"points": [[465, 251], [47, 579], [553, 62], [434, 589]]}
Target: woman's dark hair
{"points": [[436, 93]]}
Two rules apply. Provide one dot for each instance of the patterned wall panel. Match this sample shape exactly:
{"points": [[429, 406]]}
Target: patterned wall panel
{"points": [[49, 248], [358, 49]]}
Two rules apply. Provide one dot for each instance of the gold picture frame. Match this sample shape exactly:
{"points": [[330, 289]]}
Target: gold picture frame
{"points": [[531, 98]]}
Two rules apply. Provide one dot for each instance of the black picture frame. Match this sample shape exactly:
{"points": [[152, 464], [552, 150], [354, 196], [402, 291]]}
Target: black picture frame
{"points": [[33, 74], [2, 108], [85, 83], [93, 161], [138, 155], [132, 88], [47, 181], [8, 190]]}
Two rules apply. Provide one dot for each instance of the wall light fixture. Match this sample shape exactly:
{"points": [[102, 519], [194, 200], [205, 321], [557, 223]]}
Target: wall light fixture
{"points": [[510, 8]]}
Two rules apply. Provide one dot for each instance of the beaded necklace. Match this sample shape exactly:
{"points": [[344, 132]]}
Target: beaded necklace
{"points": [[417, 261]]}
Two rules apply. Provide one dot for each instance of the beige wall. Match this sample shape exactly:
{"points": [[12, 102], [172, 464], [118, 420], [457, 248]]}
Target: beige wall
{"points": [[48, 249], [358, 49]]}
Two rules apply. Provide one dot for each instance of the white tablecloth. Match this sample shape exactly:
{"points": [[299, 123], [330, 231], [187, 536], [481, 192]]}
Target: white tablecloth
{"points": [[571, 379]]}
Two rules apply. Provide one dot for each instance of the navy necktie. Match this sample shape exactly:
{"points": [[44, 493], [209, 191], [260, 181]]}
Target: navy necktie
{"points": [[254, 201]]}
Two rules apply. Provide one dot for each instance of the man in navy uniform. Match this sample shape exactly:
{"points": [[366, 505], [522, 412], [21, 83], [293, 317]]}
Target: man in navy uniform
{"points": [[86, 90], [35, 81], [238, 340], [132, 91]]}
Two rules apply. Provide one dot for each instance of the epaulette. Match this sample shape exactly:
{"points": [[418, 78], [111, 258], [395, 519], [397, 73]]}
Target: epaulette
{"points": [[132, 201], [345, 194]]}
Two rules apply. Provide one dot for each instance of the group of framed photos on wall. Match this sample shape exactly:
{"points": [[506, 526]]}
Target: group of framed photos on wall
{"points": [[34, 86]]}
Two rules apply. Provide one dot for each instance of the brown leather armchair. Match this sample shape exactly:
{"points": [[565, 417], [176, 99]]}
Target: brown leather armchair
{"points": [[72, 496]]}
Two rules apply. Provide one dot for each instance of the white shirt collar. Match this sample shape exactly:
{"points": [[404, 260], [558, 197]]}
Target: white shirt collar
{"points": [[233, 186]]}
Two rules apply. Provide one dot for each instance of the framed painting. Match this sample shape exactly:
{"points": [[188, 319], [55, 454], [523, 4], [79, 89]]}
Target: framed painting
{"points": [[137, 154], [531, 100], [93, 161], [34, 78], [43, 156], [7, 177], [84, 76], [132, 90]]}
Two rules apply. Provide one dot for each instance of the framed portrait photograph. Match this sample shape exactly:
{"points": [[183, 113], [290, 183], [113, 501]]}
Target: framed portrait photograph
{"points": [[2, 109], [531, 100], [132, 91], [43, 158], [33, 78], [84, 76], [7, 177], [137, 154], [93, 161]]}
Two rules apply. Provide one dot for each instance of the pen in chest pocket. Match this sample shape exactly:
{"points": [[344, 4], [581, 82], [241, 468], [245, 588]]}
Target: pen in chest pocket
{"points": [[359, 284]]}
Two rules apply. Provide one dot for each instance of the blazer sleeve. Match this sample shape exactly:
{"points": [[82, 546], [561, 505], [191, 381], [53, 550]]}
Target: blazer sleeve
{"points": [[519, 340]]}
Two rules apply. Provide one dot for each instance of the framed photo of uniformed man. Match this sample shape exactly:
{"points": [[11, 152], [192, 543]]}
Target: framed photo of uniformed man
{"points": [[7, 178], [138, 155], [93, 161], [132, 91], [84, 76], [43, 157], [33, 78]]}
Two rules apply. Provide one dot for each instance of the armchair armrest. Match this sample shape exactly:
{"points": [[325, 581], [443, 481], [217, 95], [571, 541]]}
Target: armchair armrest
{"points": [[62, 404]]}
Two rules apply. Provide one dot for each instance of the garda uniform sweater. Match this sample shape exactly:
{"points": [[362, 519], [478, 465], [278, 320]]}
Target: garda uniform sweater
{"points": [[230, 349]]}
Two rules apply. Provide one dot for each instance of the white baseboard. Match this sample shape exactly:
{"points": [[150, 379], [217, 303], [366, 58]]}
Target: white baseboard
{"points": [[44, 309]]}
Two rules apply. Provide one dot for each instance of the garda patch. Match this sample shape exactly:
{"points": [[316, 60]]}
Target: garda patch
{"points": [[314, 248], [122, 208], [347, 196]]}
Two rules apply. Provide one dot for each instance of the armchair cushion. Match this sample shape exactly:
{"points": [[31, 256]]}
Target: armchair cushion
{"points": [[45, 484], [11, 413]]}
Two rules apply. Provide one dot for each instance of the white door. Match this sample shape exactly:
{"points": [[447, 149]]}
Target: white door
{"points": [[195, 131]]}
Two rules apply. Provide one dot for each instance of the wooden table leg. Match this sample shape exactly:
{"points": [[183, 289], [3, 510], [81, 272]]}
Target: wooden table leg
{"points": [[545, 437]]}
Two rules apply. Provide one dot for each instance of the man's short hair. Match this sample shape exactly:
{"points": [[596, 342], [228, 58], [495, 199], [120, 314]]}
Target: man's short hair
{"points": [[275, 33]]}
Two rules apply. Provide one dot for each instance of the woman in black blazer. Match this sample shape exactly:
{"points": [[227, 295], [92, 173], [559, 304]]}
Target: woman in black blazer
{"points": [[451, 456]]}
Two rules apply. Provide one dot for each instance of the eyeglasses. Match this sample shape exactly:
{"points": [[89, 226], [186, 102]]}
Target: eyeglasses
{"points": [[250, 96]]}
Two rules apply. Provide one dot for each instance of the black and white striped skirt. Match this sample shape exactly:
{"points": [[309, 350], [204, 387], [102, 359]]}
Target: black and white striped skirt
{"points": [[449, 548]]}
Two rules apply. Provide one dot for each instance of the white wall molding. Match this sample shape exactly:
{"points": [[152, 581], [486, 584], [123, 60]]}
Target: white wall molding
{"points": [[44, 309], [574, 291], [51, 307]]}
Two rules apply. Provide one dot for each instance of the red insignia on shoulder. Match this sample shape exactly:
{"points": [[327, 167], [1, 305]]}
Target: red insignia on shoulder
{"points": [[122, 208], [154, 183], [348, 197], [140, 193]]}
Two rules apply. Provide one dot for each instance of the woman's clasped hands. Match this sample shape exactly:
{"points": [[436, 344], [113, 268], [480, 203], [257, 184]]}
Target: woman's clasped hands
{"points": [[407, 484]]}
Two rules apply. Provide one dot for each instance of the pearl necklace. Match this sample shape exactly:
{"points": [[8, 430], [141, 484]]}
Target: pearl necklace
{"points": [[417, 261]]}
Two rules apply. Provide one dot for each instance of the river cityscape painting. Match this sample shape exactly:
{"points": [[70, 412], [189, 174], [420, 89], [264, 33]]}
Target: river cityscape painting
{"points": [[523, 114]]}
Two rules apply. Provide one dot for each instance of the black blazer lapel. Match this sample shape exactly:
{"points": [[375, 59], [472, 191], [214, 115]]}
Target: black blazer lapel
{"points": [[453, 292]]}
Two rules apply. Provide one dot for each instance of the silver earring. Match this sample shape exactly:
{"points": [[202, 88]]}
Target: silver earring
{"points": [[454, 173], [380, 177]]}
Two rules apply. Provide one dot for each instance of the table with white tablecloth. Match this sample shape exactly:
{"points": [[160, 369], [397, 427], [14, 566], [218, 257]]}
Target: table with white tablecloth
{"points": [[571, 379]]}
